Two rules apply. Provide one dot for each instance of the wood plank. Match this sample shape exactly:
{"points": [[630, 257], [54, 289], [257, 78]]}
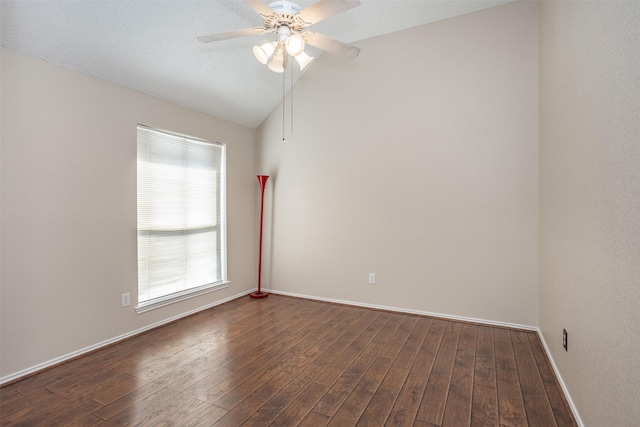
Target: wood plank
{"points": [[339, 391], [437, 390], [485, 364], [359, 398], [399, 338], [412, 344], [126, 385], [268, 340], [458, 408], [74, 414], [325, 351], [279, 401], [338, 311], [220, 386], [299, 410], [8, 396], [35, 409], [212, 327], [39, 381], [88, 421], [329, 314], [313, 419], [536, 404], [384, 398], [262, 367], [400, 417], [154, 391], [151, 409], [273, 377], [243, 409], [510, 403], [484, 405], [179, 412], [157, 409], [484, 410], [167, 348], [45, 411], [220, 378], [100, 383], [285, 397], [172, 357], [413, 390], [382, 340], [208, 416], [344, 360]]}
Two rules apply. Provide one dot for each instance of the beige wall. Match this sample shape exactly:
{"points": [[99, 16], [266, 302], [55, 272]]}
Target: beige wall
{"points": [[69, 208], [590, 203], [418, 162]]}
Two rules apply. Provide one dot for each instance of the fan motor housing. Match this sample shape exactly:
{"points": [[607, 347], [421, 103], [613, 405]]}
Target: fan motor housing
{"points": [[283, 7], [284, 13]]}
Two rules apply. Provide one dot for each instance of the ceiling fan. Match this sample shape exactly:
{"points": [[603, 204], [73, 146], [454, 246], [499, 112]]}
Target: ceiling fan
{"points": [[288, 22]]}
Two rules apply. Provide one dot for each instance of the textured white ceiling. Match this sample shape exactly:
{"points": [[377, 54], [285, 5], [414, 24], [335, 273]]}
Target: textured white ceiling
{"points": [[151, 46]]}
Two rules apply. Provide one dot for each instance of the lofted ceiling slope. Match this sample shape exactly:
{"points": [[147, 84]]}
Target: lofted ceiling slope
{"points": [[151, 46]]}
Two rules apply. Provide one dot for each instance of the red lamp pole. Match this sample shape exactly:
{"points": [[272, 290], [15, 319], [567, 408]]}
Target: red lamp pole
{"points": [[262, 179]]}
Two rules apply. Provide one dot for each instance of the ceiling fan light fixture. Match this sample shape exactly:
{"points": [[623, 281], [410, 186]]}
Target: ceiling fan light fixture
{"points": [[277, 62], [294, 45], [303, 60], [289, 22], [263, 53]]}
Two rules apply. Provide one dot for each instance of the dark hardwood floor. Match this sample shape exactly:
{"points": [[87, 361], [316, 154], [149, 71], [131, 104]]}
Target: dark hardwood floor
{"points": [[285, 361]]}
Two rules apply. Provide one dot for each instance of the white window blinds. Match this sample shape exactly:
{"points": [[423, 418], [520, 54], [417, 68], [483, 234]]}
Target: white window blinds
{"points": [[180, 215]]}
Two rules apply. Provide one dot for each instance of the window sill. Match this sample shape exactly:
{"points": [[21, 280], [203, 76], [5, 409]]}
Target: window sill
{"points": [[161, 302]]}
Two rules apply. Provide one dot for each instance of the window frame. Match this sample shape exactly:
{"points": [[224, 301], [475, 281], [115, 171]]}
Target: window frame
{"points": [[221, 227]]}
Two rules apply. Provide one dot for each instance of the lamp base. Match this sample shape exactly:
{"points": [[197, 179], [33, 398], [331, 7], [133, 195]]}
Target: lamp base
{"points": [[259, 294]]}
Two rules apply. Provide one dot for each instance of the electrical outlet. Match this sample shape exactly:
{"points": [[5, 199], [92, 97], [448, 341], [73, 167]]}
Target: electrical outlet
{"points": [[126, 299], [565, 339], [372, 278]]}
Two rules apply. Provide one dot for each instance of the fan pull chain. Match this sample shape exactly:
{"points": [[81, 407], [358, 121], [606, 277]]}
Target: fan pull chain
{"points": [[283, 110], [291, 100]]}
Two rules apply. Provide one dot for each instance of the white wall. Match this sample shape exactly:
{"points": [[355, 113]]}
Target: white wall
{"points": [[590, 203], [69, 208], [417, 161]]}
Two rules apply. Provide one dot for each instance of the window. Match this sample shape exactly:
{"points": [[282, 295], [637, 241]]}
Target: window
{"points": [[181, 221]]}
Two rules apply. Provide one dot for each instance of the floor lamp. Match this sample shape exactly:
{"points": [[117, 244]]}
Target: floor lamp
{"points": [[262, 179]]}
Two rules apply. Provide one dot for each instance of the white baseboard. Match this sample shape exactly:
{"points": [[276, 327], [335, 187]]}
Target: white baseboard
{"points": [[560, 380], [73, 355], [572, 406], [408, 311]]}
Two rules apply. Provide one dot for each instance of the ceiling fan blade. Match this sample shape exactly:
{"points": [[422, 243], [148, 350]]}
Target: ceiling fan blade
{"points": [[331, 45], [259, 7], [233, 34], [324, 9]]}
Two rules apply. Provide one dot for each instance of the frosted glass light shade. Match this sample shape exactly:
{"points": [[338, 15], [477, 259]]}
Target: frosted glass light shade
{"points": [[264, 52], [294, 45], [277, 63], [303, 60]]}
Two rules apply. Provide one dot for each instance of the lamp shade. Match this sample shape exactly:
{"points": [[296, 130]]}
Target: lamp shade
{"points": [[294, 45], [264, 52], [277, 62], [303, 60]]}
